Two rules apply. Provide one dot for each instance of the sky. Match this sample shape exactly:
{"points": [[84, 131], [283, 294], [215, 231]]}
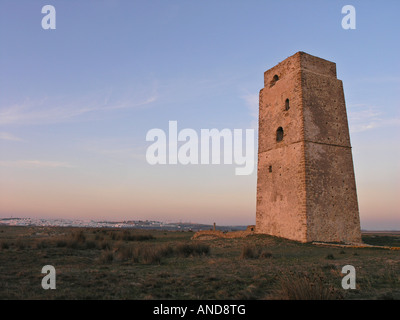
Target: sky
{"points": [[77, 101]]}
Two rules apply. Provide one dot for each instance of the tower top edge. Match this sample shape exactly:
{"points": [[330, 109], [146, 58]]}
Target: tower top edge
{"points": [[301, 61]]}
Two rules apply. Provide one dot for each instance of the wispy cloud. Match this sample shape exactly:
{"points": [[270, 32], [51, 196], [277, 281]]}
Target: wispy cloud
{"points": [[9, 136], [55, 110], [363, 117], [35, 164], [126, 154]]}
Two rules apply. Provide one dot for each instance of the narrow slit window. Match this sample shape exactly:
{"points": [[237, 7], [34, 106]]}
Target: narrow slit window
{"points": [[279, 134], [287, 105]]}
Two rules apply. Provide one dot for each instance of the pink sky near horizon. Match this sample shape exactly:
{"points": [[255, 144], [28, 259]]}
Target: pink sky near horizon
{"points": [[217, 196]]}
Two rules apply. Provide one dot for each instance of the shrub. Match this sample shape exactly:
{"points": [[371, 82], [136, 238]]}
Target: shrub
{"points": [[329, 267], [266, 254], [150, 255], [42, 244], [141, 237], [249, 252], [73, 244], [79, 236], [146, 254], [61, 243], [124, 253], [106, 256], [99, 237], [5, 245], [20, 245], [127, 236], [304, 287], [330, 257], [192, 249], [166, 250], [90, 245], [105, 245], [153, 254]]}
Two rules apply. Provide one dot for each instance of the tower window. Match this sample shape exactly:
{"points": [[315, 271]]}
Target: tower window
{"points": [[270, 169], [279, 134], [274, 80], [287, 106]]}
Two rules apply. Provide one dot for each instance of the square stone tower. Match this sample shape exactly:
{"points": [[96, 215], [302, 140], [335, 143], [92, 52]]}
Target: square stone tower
{"points": [[306, 187]]}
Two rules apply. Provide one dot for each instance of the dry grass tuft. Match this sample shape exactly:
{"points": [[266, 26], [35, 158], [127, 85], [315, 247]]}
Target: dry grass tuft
{"points": [[305, 287], [251, 252], [127, 236], [146, 254], [192, 249], [106, 256], [20, 244], [79, 236], [4, 245], [248, 252], [42, 244]]}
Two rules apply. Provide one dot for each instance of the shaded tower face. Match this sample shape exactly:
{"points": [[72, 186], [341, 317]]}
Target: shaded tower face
{"points": [[305, 182]]}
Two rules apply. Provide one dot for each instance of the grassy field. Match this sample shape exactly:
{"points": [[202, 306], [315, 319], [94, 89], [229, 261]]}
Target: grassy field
{"points": [[141, 264]]}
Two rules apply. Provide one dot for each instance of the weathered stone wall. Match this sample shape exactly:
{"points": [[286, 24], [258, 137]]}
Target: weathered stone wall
{"points": [[332, 208], [324, 109], [281, 197], [305, 184]]}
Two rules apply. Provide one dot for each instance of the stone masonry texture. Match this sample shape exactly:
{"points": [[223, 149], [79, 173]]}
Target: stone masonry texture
{"points": [[306, 187]]}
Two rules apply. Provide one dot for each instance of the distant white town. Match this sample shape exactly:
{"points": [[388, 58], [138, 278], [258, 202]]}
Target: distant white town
{"points": [[140, 224]]}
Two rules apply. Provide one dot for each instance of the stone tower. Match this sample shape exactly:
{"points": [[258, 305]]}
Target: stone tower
{"points": [[306, 187]]}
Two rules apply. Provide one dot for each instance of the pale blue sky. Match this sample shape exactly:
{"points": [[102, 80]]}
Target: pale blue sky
{"points": [[76, 102]]}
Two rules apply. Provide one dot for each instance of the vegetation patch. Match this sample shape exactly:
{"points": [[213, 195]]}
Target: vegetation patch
{"points": [[99, 263]]}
